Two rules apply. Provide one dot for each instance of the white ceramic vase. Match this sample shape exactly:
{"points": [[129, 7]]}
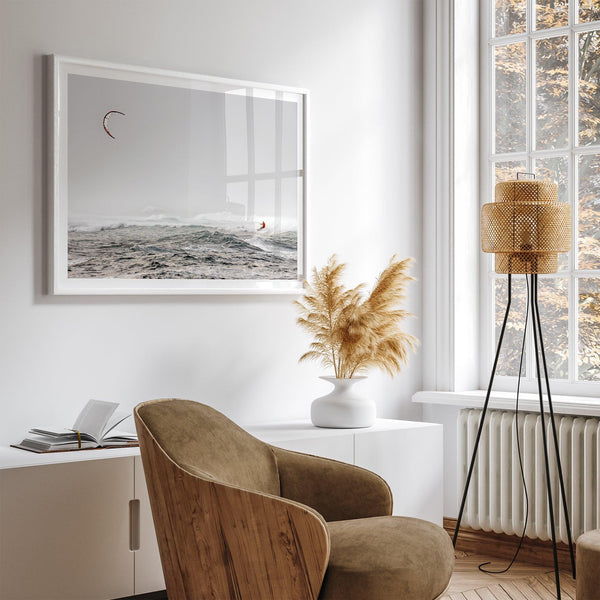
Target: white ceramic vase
{"points": [[343, 408]]}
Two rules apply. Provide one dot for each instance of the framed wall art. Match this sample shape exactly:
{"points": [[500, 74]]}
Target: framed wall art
{"points": [[167, 183]]}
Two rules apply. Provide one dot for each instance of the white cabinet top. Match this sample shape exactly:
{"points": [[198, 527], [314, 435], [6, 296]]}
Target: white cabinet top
{"points": [[273, 432], [12, 458], [293, 430]]}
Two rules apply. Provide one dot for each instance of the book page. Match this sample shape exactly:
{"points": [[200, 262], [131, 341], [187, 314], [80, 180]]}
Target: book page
{"points": [[116, 418], [52, 431], [119, 438], [94, 417]]}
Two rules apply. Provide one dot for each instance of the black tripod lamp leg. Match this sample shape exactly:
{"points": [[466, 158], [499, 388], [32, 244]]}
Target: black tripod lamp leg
{"points": [[538, 324], [544, 437], [483, 413]]}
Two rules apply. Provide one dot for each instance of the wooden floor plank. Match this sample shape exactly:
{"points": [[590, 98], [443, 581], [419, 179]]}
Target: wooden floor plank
{"points": [[542, 590], [499, 593], [548, 580], [485, 594], [523, 581], [526, 590], [567, 583], [512, 589], [467, 575]]}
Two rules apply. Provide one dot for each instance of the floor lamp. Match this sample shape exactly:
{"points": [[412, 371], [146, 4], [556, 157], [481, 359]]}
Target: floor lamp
{"points": [[526, 227]]}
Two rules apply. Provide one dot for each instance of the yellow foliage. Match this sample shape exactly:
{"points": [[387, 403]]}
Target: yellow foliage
{"points": [[353, 333]]}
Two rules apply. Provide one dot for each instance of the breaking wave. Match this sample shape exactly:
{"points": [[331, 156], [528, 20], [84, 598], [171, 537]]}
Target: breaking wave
{"points": [[179, 251]]}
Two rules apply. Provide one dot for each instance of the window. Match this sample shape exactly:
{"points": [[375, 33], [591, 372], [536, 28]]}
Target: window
{"points": [[542, 75]]}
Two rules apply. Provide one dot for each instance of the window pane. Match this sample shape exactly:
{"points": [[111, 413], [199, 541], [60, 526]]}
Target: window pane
{"points": [[511, 105], [510, 355], [553, 302], [510, 16], [556, 169], [589, 211], [552, 92], [551, 13], [589, 88], [589, 329], [589, 10], [508, 169]]}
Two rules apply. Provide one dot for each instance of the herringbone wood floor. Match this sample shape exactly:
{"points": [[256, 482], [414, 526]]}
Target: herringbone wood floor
{"points": [[523, 582]]}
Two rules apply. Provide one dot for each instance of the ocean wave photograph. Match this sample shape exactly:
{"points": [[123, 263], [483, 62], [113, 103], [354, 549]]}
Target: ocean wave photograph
{"points": [[187, 197], [160, 251]]}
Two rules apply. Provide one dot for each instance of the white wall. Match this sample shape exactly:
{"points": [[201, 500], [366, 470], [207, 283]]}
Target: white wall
{"points": [[361, 62], [448, 417]]}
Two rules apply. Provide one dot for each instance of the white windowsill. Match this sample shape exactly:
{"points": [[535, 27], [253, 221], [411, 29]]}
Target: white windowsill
{"points": [[566, 405]]}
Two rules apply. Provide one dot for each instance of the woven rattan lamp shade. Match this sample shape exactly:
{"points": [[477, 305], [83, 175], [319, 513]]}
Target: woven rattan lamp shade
{"points": [[526, 227]]}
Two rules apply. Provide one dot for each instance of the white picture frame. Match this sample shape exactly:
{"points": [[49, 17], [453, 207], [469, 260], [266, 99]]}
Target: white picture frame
{"points": [[163, 182]]}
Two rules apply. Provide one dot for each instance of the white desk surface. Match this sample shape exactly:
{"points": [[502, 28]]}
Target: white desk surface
{"points": [[273, 432]]}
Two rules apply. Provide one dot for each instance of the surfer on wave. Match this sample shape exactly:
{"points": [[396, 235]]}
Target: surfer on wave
{"points": [[263, 225]]}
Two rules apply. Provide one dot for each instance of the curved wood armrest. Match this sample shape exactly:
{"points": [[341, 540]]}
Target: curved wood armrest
{"points": [[220, 541], [335, 489]]}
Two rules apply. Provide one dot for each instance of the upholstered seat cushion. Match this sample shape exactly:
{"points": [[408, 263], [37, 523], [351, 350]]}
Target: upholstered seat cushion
{"points": [[387, 558], [588, 565]]}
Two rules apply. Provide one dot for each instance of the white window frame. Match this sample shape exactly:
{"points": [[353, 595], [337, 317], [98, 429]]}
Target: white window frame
{"points": [[504, 383], [458, 334], [451, 344]]}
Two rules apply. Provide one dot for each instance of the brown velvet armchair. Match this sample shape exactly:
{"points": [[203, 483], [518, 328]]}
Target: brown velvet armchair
{"points": [[236, 518]]}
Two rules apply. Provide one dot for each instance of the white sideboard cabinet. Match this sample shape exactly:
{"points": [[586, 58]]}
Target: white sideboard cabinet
{"points": [[77, 525], [408, 455]]}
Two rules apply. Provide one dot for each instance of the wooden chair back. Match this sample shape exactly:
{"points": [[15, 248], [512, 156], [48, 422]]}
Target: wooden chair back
{"points": [[217, 538]]}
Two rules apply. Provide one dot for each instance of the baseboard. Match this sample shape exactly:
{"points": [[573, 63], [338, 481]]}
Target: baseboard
{"points": [[504, 546]]}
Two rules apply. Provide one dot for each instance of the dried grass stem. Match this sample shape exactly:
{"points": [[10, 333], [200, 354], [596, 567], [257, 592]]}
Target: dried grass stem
{"points": [[353, 333]]}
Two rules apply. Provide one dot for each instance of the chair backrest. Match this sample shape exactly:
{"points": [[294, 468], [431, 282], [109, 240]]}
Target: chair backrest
{"points": [[222, 529], [205, 442]]}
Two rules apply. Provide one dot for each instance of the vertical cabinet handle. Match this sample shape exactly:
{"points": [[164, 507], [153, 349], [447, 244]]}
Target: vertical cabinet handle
{"points": [[134, 525]]}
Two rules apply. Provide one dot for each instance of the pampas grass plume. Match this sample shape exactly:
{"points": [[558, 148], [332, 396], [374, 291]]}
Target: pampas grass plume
{"points": [[353, 333]]}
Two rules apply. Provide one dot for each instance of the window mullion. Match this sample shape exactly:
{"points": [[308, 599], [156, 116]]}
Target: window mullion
{"points": [[583, 150], [530, 17], [541, 34], [531, 136], [573, 329], [573, 179], [490, 147]]}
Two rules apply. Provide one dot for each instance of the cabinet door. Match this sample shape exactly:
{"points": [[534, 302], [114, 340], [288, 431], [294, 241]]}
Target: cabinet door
{"points": [[411, 461], [64, 531], [148, 569], [339, 447]]}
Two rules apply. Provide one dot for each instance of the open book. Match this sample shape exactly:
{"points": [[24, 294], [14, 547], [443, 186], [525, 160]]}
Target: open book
{"points": [[95, 427]]}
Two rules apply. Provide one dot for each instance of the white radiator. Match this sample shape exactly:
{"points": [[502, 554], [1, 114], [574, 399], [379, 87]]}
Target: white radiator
{"points": [[496, 501]]}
